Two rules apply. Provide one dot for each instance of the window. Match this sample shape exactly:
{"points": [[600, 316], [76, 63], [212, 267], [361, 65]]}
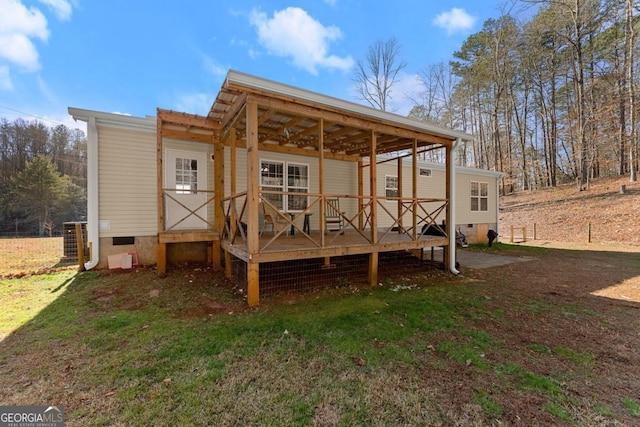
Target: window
{"points": [[272, 179], [289, 177], [297, 182], [186, 176], [424, 172], [479, 196], [391, 186]]}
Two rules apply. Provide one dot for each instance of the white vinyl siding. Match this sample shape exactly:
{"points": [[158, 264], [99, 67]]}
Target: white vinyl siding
{"points": [[464, 214], [127, 182], [434, 186]]}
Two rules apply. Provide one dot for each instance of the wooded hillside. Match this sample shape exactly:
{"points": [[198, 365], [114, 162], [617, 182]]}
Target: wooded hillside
{"points": [[43, 175], [551, 99], [562, 214]]}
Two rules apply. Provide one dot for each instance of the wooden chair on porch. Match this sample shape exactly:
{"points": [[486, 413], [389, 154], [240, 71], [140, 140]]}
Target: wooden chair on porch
{"points": [[273, 218], [333, 216]]}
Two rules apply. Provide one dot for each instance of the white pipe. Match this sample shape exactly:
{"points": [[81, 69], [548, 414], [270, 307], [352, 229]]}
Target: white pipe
{"points": [[498, 208], [452, 211], [93, 235]]}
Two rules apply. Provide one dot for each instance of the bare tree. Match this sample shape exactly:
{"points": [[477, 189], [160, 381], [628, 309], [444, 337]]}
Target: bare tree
{"points": [[629, 74], [376, 75]]}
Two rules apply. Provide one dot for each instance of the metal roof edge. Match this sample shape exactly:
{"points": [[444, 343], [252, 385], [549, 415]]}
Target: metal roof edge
{"points": [[461, 169], [145, 124], [254, 82]]}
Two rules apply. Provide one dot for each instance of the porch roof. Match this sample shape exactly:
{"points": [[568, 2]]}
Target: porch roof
{"points": [[289, 119]]}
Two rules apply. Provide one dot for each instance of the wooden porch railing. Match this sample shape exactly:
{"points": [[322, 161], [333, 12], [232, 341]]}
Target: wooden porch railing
{"points": [[166, 195], [427, 210]]}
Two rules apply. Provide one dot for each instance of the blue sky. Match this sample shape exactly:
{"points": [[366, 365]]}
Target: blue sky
{"points": [[133, 56]]}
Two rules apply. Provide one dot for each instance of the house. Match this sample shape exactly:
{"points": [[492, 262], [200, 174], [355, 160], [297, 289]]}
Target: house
{"points": [[255, 179]]}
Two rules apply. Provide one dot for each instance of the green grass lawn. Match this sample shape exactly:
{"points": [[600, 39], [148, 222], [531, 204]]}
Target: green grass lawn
{"points": [[134, 349]]}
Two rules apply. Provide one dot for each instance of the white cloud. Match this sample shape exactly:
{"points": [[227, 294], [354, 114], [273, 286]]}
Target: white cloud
{"points": [[331, 2], [18, 25], [293, 34], [195, 103], [213, 67], [61, 8], [406, 88], [455, 20], [5, 79]]}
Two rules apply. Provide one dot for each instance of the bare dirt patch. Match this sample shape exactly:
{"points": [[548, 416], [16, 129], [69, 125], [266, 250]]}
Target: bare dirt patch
{"points": [[574, 309]]}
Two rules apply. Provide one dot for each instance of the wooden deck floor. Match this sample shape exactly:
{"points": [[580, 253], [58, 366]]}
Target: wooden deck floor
{"points": [[351, 242]]}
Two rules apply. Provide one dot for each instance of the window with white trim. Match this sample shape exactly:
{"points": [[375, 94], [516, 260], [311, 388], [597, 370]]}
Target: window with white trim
{"points": [[297, 182], [285, 177], [479, 196], [425, 172], [391, 186], [186, 176]]}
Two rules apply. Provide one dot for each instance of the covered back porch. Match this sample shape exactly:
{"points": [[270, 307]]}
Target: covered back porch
{"points": [[253, 119]]}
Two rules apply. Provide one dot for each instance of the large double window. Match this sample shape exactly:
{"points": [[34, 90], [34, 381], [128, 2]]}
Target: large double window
{"points": [[287, 177], [479, 196]]}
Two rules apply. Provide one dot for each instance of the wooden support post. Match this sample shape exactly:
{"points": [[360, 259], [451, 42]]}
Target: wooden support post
{"points": [[218, 173], [232, 157], [80, 246], [327, 262], [589, 232], [253, 195], [373, 187], [360, 194], [449, 250], [373, 268], [253, 283], [400, 194], [414, 190], [524, 233], [162, 259], [228, 267], [162, 247], [511, 234], [321, 181]]}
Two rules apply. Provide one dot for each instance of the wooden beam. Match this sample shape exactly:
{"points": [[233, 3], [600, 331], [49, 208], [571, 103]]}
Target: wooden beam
{"points": [[233, 114], [189, 136], [338, 117], [188, 236], [305, 152], [189, 120]]}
